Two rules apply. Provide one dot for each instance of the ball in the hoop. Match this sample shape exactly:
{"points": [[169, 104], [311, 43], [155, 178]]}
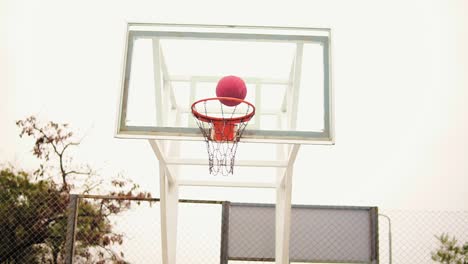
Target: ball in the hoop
{"points": [[231, 86]]}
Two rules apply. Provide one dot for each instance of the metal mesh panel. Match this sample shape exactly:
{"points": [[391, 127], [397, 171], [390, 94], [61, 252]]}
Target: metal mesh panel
{"points": [[318, 234], [251, 232], [331, 235]]}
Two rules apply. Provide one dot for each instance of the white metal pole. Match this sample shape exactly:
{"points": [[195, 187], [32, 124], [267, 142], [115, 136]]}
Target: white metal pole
{"points": [[157, 83], [283, 209], [169, 208]]}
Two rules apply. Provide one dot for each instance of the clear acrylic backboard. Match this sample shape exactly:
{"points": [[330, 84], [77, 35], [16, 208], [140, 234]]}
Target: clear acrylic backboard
{"points": [[167, 67]]}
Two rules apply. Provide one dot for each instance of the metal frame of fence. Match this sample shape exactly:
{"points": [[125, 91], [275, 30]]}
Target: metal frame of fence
{"points": [[225, 217], [373, 221], [204, 232], [73, 216]]}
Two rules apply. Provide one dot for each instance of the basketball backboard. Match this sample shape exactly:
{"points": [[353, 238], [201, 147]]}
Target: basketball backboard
{"points": [[168, 67]]}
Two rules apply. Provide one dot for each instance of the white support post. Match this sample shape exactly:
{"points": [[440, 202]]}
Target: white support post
{"points": [[158, 83], [193, 91], [169, 208], [166, 77], [158, 151], [292, 107], [169, 193], [291, 159], [284, 104], [283, 210], [169, 190], [258, 106], [283, 216], [173, 147]]}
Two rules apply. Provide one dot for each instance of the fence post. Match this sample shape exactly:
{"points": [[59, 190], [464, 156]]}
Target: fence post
{"points": [[225, 232], [389, 237], [71, 228], [374, 220]]}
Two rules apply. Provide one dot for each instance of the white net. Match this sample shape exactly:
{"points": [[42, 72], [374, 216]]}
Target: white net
{"points": [[222, 127]]}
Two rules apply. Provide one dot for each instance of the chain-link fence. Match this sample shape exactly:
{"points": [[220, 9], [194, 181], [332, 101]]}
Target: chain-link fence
{"points": [[413, 234], [98, 229], [32, 227]]}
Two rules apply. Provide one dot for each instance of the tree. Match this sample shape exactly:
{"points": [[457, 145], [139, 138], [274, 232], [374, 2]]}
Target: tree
{"points": [[449, 251], [27, 209], [33, 206]]}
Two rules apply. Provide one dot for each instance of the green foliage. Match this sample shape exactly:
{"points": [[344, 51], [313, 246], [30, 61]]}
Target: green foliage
{"points": [[33, 207], [449, 251], [27, 211]]}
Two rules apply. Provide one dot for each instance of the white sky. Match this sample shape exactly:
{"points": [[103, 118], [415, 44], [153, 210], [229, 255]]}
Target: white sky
{"points": [[400, 86]]}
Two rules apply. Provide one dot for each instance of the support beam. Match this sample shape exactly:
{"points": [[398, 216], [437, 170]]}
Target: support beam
{"points": [[291, 159], [157, 150], [258, 106], [283, 208], [160, 114], [293, 154], [165, 72], [245, 184], [284, 104], [239, 163], [193, 92], [169, 193], [296, 85], [213, 78], [169, 210], [173, 147], [283, 218]]}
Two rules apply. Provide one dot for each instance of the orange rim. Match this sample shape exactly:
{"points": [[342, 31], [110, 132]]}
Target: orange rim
{"points": [[206, 118]]}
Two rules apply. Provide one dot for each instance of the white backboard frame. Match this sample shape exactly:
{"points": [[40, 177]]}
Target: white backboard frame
{"points": [[281, 34]]}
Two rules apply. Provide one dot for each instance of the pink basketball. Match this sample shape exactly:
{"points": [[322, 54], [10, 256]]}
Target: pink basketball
{"points": [[231, 86]]}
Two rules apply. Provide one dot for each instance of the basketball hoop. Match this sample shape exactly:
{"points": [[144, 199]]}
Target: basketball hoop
{"points": [[222, 127]]}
